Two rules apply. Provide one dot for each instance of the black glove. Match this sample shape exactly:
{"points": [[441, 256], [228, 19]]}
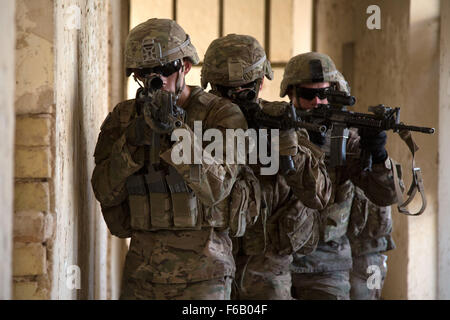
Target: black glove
{"points": [[162, 115], [317, 138], [374, 141]]}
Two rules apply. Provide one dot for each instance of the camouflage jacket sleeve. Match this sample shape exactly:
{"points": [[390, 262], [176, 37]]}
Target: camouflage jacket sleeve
{"points": [[212, 181], [310, 182], [114, 162], [377, 183]]}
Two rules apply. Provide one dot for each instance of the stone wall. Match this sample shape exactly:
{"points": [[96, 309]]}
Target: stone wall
{"points": [[65, 53], [34, 150]]}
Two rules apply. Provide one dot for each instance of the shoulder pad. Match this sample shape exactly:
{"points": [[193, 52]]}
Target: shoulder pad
{"points": [[106, 122], [273, 108], [124, 111], [228, 115], [215, 111], [120, 116], [206, 98]]}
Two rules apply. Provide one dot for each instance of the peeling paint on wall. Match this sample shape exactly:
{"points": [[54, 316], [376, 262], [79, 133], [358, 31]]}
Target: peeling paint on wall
{"points": [[7, 31], [82, 94]]}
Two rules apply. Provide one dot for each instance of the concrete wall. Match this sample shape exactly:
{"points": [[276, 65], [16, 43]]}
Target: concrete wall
{"points": [[119, 21], [82, 81], [397, 66], [65, 52], [423, 108], [7, 124], [444, 156]]}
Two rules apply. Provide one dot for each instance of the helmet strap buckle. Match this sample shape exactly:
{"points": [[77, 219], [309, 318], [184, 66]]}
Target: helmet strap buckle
{"points": [[151, 51]]}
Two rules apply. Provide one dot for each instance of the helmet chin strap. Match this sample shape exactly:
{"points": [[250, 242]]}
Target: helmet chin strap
{"points": [[180, 84], [215, 90], [137, 81], [296, 97], [257, 87]]}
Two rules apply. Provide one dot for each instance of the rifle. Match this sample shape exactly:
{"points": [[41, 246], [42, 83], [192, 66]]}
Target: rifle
{"points": [[258, 119], [160, 112], [335, 116]]}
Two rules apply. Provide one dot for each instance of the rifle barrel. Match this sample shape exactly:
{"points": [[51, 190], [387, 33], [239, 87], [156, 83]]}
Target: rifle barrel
{"points": [[414, 128]]}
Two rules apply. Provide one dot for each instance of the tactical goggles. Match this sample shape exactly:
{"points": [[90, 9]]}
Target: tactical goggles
{"points": [[243, 92], [311, 93], [164, 70]]}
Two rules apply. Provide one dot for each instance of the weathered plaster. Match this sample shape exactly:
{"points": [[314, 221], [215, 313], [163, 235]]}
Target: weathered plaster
{"points": [[444, 156], [7, 77]]}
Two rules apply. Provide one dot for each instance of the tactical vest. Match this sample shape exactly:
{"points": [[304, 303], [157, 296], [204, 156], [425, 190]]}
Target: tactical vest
{"points": [[285, 227], [162, 200], [294, 228], [370, 226], [335, 217], [255, 240]]}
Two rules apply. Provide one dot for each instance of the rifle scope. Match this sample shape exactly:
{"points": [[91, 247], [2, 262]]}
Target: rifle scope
{"points": [[243, 95], [340, 98], [154, 82]]}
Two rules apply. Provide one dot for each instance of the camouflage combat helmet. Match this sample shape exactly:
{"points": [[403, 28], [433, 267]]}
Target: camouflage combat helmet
{"points": [[234, 60], [155, 43], [309, 68]]}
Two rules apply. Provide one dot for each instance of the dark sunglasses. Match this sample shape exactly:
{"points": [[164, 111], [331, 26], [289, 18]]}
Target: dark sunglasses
{"points": [[165, 70], [311, 93]]}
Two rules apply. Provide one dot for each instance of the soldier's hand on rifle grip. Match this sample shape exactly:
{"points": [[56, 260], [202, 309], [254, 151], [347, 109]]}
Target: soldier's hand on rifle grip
{"points": [[317, 138], [374, 141]]}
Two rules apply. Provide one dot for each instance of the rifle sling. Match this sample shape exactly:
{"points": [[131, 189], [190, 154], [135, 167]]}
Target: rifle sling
{"points": [[416, 183]]}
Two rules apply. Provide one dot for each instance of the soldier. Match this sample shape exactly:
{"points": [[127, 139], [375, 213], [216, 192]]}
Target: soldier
{"points": [[324, 274], [235, 65], [177, 215], [369, 232]]}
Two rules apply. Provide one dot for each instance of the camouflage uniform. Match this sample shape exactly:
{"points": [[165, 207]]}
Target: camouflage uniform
{"points": [[369, 232], [180, 247], [263, 254], [325, 273]]}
